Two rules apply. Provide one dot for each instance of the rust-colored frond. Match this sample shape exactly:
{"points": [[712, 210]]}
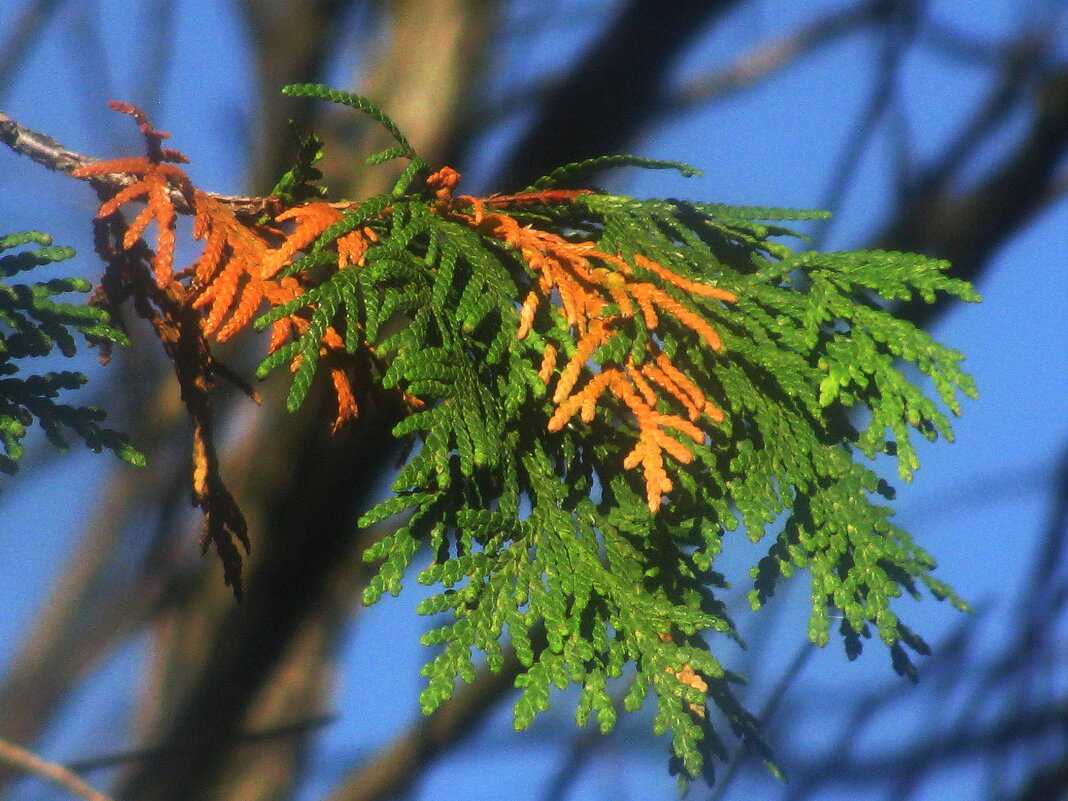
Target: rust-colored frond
{"points": [[171, 307], [443, 183], [592, 339], [228, 277], [352, 246], [649, 296], [277, 293], [153, 137], [596, 293], [310, 220], [628, 385], [339, 363], [178, 328], [697, 288], [548, 363], [526, 314], [156, 186], [333, 356], [586, 296], [653, 440], [583, 401], [347, 408]]}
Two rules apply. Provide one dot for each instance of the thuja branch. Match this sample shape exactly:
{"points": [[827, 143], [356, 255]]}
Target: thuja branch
{"points": [[599, 390]]}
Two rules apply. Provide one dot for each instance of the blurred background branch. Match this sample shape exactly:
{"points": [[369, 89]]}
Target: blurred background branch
{"points": [[57, 774]]}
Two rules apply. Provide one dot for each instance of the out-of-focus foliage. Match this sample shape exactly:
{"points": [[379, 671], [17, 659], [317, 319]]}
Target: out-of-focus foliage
{"points": [[34, 324]]}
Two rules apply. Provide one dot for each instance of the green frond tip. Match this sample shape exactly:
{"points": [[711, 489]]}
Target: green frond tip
{"points": [[358, 102], [10, 241], [600, 163], [298, 184], [34, 324], [395, 152]]}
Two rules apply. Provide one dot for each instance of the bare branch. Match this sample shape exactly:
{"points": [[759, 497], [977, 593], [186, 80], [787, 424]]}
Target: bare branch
{"points": [[898, 33], [592, 111], [395, 768], [21, 33], [46, 151], [968, 49], [767, 712], [301, 727], [50, 771], [768, 58], [40, 148], [966, 229], [309, 491]]}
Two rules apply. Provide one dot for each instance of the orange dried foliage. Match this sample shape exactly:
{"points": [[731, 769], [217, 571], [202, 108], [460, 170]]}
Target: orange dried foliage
{"points": [[548, 363], [228, 276], [706, 290], [237, 270], [178, 327], [216, 296], [597, 291], [347, 408], [691, 678], [157, 181], [596, 336], [335, 358], [311, 220]]}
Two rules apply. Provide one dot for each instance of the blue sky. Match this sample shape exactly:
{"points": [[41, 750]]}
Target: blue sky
{"points": [[977, 504]]}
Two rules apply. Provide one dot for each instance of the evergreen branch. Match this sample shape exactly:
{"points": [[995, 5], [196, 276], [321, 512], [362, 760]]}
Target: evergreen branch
{"points": [[597, 387], [357, 102], [600, 163]]}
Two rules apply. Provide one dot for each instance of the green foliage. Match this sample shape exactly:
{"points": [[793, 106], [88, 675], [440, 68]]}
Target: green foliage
{"points": [[33, 324], [299, 183], [598, 164], [542, 536], [403, 148]]}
